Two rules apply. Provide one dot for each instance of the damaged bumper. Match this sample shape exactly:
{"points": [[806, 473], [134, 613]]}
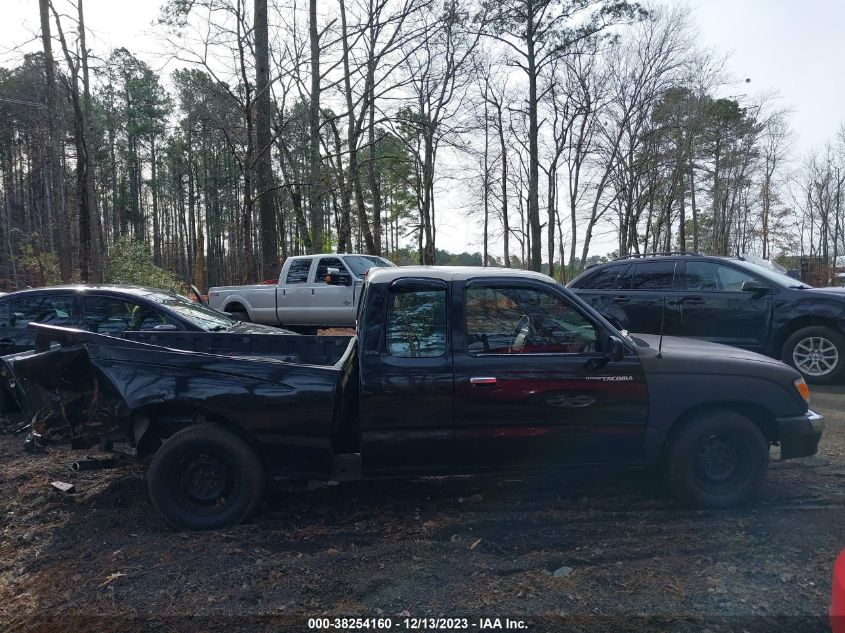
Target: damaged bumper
{"points": [[800, 434]]}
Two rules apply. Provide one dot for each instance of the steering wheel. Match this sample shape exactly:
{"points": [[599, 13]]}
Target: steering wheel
{"points": [[521, 332]]}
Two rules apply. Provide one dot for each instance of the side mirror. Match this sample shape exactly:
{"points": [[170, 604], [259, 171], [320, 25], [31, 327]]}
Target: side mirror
{"points": [[336, 278], [615, 349], [754, 286]]}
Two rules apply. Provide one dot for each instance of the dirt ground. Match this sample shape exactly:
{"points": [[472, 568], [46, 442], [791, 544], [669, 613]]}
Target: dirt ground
{"points": [[102, 560]]}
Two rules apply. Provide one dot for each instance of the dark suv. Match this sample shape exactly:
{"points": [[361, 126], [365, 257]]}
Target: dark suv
{"points": [[724, 300]]}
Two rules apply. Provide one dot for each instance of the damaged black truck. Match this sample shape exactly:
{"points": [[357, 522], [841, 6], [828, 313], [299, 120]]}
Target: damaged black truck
{"points": [[453, 370]]}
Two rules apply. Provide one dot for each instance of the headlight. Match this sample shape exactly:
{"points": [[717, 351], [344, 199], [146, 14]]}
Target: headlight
{"points": [[803, 389]]}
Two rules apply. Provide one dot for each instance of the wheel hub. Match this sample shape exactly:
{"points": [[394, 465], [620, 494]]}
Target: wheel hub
{"points": [[815, 356], [205, 479], [717, 459]]}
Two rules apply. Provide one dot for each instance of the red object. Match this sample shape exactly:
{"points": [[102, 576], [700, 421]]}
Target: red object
{"points": [[837, 600]]}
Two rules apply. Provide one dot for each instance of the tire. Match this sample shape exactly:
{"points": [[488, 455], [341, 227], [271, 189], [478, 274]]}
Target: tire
{"points": [[718, 459], [828, 346], [205, 477]]}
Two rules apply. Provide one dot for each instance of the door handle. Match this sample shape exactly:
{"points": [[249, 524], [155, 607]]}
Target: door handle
{"points": [[693, 301], [621, 299], [482, 381]]}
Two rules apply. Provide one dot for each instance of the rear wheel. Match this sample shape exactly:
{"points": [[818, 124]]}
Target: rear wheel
{"points": [[205, 477], [717, 460], [818, 352], [239, 314]]}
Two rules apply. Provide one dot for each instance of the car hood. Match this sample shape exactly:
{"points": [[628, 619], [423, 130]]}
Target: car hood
{"points": [[827, 292], [687, 355], [256, 328]]}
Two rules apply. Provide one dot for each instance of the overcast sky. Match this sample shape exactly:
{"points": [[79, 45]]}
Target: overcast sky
{"points": [[796, 47]]}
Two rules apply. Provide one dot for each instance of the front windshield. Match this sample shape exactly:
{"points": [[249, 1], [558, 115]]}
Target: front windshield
{"points": [[771, 275], [201, 316], [360, 264]]}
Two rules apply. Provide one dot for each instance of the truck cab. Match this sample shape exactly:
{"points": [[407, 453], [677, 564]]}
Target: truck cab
{"points": [[301, 298]]}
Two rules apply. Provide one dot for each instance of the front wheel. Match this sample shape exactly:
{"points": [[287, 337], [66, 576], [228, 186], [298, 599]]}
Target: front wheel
{"points": [[717, 460], [205, 477], [818, 352]]}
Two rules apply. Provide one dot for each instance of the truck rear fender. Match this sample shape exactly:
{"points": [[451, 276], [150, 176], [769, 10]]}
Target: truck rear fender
{"points": [[151, 425]]}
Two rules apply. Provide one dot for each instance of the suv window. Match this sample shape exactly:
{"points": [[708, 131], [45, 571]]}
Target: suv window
{"points": [[651, 276], [606, 278], [52, 309], [4, 314], [710, 276], [416, 323], [520, 320], [323, 268], [113, 315], [298, 271]]}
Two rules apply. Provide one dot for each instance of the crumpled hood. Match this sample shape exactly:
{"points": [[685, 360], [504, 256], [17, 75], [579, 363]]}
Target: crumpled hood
{"points": [[687, 355]]}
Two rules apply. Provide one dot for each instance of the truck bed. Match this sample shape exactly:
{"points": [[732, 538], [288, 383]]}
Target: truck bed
{"points": [[296, 395]]}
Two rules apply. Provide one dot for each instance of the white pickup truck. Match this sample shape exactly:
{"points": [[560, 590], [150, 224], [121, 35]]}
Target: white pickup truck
{"points": [[302, 298]]}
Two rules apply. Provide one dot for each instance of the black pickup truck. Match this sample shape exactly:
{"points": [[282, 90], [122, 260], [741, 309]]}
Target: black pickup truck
{"points": [[453, 370]]}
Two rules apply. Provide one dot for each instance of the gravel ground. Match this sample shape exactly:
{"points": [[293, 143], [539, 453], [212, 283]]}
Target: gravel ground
{"points": [[577, 553]]}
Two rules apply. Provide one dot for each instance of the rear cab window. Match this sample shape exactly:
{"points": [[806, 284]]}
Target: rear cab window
{"points": [[416, 325], [298, 271]]}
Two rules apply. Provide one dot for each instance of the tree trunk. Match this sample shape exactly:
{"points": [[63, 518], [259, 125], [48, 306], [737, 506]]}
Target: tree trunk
{"points": [[315, 205], [534, 228], [57, 216], [264, 170]]}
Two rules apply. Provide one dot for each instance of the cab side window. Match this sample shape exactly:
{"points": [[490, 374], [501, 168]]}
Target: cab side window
{"points": [[416, 323], [323, 268], [298, 271], [520, 320], [709, 276], [112, 315], [52, 309]]}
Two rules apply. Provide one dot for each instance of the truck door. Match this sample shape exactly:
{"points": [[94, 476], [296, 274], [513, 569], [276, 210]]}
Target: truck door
{"points": [[406, 408], [293, 298], [332, 305], [532, 385], [714, 306]]}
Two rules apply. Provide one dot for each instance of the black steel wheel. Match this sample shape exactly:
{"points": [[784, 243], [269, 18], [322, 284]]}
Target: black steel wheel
{"points": [[205, 477], [717, 459]]}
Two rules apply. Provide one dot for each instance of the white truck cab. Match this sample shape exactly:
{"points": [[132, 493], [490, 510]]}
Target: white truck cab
{"points": [[302, 298]]}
